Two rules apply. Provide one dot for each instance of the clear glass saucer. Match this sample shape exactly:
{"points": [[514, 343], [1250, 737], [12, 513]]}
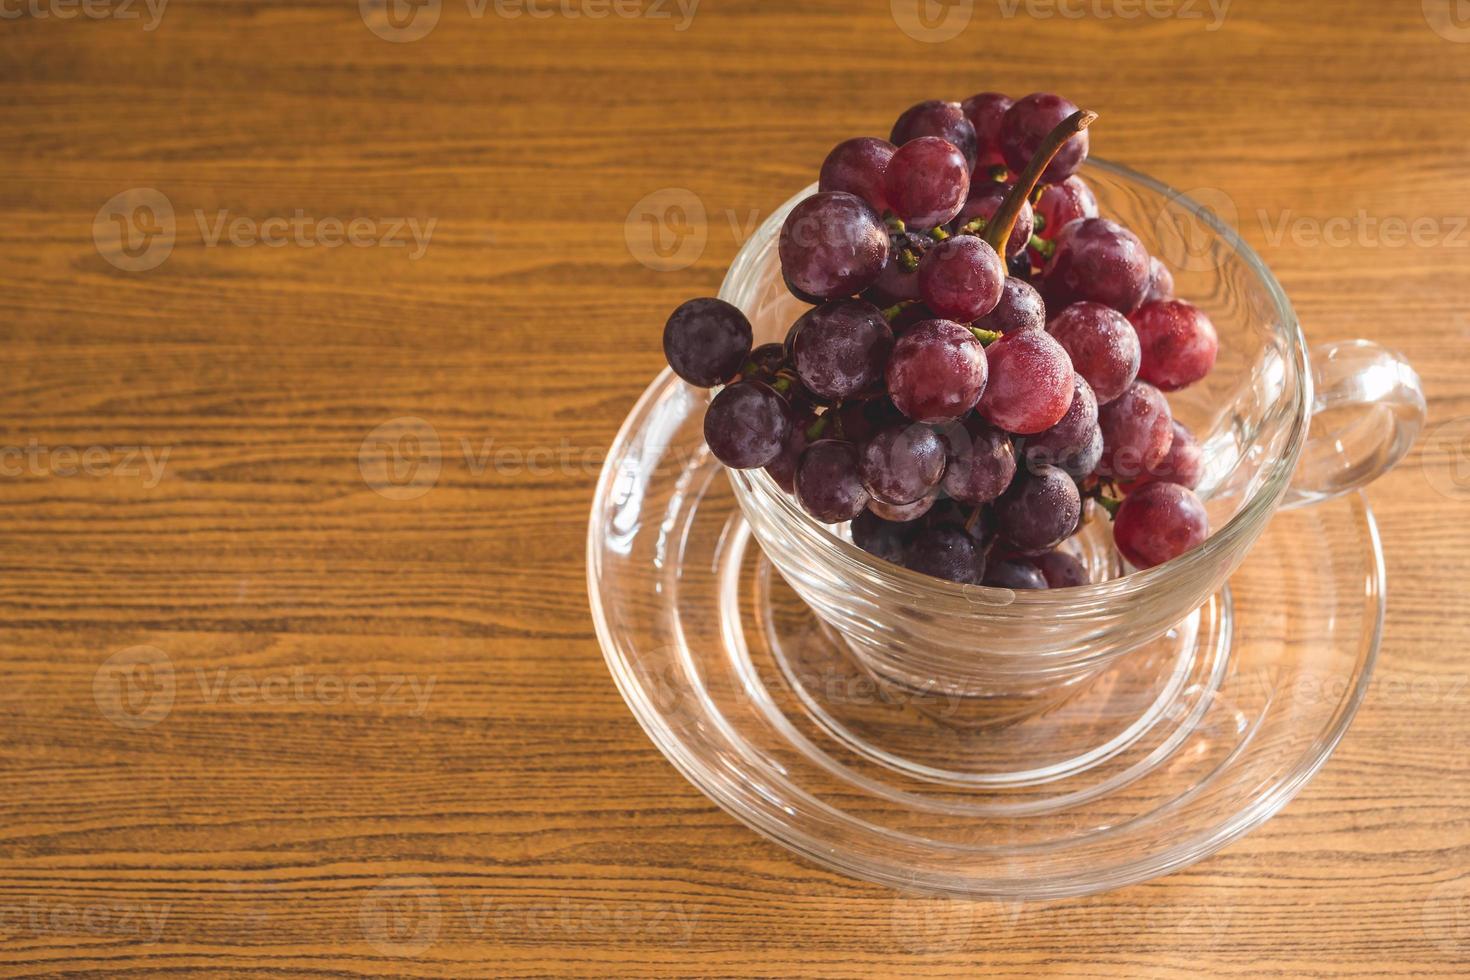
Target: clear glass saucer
{"points": [[1157, 761]]}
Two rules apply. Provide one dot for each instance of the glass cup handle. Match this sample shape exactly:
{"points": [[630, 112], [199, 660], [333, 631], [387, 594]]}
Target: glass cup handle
{"points": [[1368, 408]]}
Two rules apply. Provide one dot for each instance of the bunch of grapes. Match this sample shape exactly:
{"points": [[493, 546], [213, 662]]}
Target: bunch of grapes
{"points": [[983, 354]]}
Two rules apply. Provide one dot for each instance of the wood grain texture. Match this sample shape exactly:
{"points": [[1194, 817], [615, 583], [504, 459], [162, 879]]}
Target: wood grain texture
{"points": [[397, 707]]}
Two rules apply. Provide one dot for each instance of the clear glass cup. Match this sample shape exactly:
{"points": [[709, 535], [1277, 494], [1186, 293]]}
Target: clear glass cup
{"points": [[1279, 428]]}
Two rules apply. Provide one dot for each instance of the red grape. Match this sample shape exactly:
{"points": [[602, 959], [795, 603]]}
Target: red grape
{"points": [[827, 483], [1137, 430], [902, 463], [899, 279], [1061, 570], [1160, 281], [747, 425], [1031, 381], [1102, 344], [1071, 435], [1179, 343], [937, 371], [833, 244], [1040, 509], [1020, 308], [1027, 123], [880, 537], [840, 348], [982, 462], [1014, 574], [961, 278], [902, 513], [1062, 203], [984, 200], [985, 112], [783, 467], [1183, 464], [936, 118], [1099, 260], [927, 182], [949, 553], [706, 341], [1159, 522], [857, 167]]}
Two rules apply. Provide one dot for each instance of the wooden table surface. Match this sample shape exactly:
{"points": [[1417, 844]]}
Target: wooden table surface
{"points": [[277, 703]]}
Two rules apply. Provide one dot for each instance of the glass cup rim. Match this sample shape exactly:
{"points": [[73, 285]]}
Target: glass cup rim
{"points": [[1246, 521]]}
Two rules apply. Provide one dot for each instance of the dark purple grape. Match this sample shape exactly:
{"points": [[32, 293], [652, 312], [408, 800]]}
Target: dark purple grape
{"points": [[1098, 260], [949, 553], [827, 483], [903, 513], [857, 167], [1159, 522], [881, 538], [800, 294], [747, 425], [982, 462], [1026, 125], [1061, 570], [1071, 435], [783, 467], [1031, 381], [927, 182], [909, 317], [1160, 282], [902, 463], [1183, 464], [1179, 343], [1014, 574], [706, 341], [1062, 203], [1137, 430], [840, 348], [1020, 308], [937, 371], [766, 360], [961, 278], [1083, 463], [858, 421], [1040, 509], [936, 118], [984, 200], [1102, 344], [899, 279], [1019, 266], [833, 244], [986, 111]]}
